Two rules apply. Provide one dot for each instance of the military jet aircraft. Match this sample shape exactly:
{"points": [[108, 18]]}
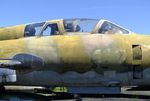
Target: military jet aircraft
{"points": [[83, 55]]}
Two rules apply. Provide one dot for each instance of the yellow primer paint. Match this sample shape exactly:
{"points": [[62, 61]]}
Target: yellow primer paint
{"points": [[13, 32], [10, 48], [42, 47], [72, 53], [144, 42]]}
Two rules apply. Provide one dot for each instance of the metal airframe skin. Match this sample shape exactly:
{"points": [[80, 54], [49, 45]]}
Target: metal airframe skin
{"points": [[75, 58]]}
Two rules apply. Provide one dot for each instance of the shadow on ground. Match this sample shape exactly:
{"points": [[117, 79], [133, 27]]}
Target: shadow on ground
{"points": [[19, 96]]}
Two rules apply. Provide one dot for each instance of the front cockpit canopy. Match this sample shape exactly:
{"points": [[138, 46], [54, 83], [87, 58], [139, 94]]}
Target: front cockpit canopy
{"points": [[33, 29]]}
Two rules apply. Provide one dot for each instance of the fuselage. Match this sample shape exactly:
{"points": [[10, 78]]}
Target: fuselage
{"points": [[65, 53], [67, 59]]}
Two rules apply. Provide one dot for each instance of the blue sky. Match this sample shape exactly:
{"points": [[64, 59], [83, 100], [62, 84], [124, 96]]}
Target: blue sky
{"points": [[132, 14]]}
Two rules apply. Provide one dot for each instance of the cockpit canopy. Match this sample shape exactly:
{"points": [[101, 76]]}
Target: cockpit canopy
{"points": [[88, 25], [110, 28], [33, 29], [73, 25], [79, 25]]}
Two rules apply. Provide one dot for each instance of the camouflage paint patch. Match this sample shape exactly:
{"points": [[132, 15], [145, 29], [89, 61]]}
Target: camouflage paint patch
{"points": [[72, 53], [10, 48]]}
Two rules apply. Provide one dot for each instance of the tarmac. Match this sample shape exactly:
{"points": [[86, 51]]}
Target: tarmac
{"points": [[28, 95]]}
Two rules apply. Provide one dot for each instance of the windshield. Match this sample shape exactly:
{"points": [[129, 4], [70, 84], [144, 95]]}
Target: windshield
{"points": [[110, 28], [79, 25], [33, 29]]}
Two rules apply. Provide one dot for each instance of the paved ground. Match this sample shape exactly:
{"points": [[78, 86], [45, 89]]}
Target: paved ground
{"points": [[107, 99], [125, 96], [18, 96]]}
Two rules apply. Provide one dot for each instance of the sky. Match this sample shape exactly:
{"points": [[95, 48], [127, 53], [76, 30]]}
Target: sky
{"points": [[131, 14]]}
